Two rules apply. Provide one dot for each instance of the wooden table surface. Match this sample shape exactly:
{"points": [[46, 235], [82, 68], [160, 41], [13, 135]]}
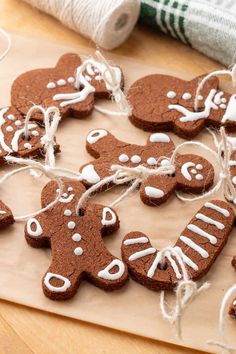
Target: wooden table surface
{"points": [[24, 330]]}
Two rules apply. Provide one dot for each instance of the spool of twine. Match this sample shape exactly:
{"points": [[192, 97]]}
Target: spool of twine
{"points": [[107, 22]]}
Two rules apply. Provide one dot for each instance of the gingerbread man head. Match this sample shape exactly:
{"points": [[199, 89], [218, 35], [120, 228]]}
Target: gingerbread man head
{"points": [[78, 251], [166, 102], [193, 173], [56, 87]]}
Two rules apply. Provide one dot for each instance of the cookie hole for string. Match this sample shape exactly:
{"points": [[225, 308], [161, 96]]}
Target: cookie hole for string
{"points": [[162, 265], [81, 212]]}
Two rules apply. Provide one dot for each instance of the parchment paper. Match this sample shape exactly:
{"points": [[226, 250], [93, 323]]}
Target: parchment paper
{"points": [[133, 309]]}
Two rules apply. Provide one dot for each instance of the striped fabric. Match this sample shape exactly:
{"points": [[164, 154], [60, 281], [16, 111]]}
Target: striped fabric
{"points": [[207, 25]]}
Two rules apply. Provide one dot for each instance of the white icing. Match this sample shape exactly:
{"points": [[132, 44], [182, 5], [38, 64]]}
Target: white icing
{"points": [[223, 106], [105, 273], [186, 259], [171, 94], [2, 212], [38, 228], [200, 97], [234, 180], [18, 122], [220, 210], [134, 241], [11, 116], [193, 171], [67, 212], [230, 113], [67, 199], [199, 166], [18, 134], [191, 116], [98, 77], [2, 121], [55, 289], [135, 159], [65, 195], [187, 96], [154, 265], [35, 133], [70, 189], [208, 220], [123, 158], [184, 170], [71, 225], [96, 135], [89, 174], [194, 246], [78, 251], [154, 192], [9, 128], [159, 138], [61, 82], [76, 237], [112, 220], [223, 100], [71, 79], [197, 230], [141, 254], [232, 163], [88, 78], [152, 161], [199, 177], [165, 162], [217, 98], [51, 85], [27, 145]]}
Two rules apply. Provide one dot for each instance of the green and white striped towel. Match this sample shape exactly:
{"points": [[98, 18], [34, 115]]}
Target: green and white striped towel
{"points": [[207, 25]]}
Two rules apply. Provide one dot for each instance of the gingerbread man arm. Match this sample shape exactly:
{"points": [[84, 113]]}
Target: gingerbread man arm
{"points": [[232, 308], [6, 216], [36, 234], [198, 246]]}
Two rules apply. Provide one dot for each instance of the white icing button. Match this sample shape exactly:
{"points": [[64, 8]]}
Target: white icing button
{"points": [[171, 94], [18, 122], [35, 133], [165, 162], [71, 79], [51, 85], [67, 212], [135, 159], [222, 106], [61, 82], [70, 189], [187, 96], [9, 128], [78, 251], [151, 161], [199, 177], [154, 192], [11, 117], [123, 158], [27, 145], [71, 225], [159, 138], [199, 166], [76, 237], [200, 98], [223, 100], [193, 171]]}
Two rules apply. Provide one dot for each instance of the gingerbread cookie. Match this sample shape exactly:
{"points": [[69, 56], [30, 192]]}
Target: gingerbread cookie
{"points": [[232, 309], [167, 103], [12, 140], [199, 245], [78, 251], [56, 87], [193, 174], [6, 216]]}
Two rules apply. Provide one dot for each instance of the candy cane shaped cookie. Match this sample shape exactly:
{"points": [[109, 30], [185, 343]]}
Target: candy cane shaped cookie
{"points": [[198, 246]]}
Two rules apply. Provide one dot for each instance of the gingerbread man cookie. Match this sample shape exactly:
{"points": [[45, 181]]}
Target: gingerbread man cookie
{"points": [[56, 87], [166, 102], [193, 174], [12, 140], [78, 251], [6, 216], [198, 246], [232, 309]]}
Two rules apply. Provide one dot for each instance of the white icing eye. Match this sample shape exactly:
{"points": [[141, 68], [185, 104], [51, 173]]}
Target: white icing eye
{"points": [[71, 225], [151, 161], [70, 189], [11, 117], [171, 94], [18, 122], [199, 177], [123, 158], [135, 159], [165, 162], [56, 289], [51, 85], [108, 216], [61, 82], [187, 96], [37, 231], [159, 138], [76, 237], [67, 212], [193, 171], [35, 133], [78, 251], [199, 166], [27, 145], [105, 273], [96, 135], [71, 80], [9, 129]]}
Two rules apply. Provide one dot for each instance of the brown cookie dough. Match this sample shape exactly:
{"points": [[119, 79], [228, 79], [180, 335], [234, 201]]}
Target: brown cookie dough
{"points": [[193, 174], [199, 245], [162, 102], [6, 216], [78, 251]]}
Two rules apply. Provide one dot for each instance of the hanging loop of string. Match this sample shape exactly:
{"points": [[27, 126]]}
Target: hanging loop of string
{"points": [[231, 72]]}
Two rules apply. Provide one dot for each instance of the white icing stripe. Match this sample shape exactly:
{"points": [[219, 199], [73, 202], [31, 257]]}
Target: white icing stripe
{"points": [[197, 230], [222, 211], [105, 273], [141, 254], [159, 138], [194, 246], [18, 133], [2, 137], [59, 289], [208, 220], [174, 266], [154, 192], [186, 259], [230, 111], [232, 163], [154, 265], [133, 241]]}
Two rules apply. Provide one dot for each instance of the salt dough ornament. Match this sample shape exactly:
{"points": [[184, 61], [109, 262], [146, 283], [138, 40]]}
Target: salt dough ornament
{"points": [[193, 174], [199, 245], [6, 216], [56, 87], [167, 102], [78, 251], [12, 139]]}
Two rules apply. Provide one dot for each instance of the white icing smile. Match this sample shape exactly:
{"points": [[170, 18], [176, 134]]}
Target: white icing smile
{"points": [[185, 171]]}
